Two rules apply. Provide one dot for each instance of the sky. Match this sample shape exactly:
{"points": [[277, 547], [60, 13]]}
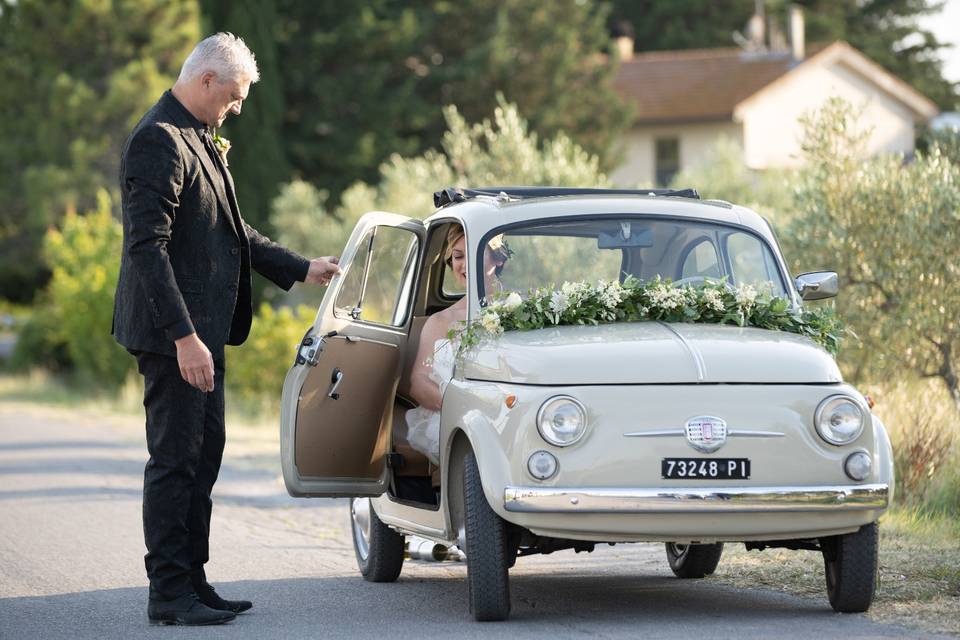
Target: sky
{"points": [[946, 26]]}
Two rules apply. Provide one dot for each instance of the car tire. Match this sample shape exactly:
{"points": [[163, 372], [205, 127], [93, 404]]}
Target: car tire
{"points": [[487, 544], [850, 563], [379, 549], [693, 560]]}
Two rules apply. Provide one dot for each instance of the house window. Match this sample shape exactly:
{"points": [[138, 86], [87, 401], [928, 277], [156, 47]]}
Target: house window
{"points": [[667, 160]]}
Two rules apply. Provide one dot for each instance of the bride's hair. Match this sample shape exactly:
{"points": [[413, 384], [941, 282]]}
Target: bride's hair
{"points": [[497, 247], [454, 233]]}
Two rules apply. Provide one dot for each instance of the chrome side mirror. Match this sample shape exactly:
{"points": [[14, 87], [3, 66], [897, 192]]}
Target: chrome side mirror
{"points": [[817, 285]]}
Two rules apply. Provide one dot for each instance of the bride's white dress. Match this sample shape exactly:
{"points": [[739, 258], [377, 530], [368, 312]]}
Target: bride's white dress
{"points": [[423, 425]]}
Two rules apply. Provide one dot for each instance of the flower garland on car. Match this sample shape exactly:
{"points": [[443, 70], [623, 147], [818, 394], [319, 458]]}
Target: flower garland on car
{"points": [[715, 301]]}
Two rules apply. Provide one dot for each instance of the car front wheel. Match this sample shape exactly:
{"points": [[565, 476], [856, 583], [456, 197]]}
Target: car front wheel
{"points": [[379, 548], [850, 563], [693, 560], [487, 546]]}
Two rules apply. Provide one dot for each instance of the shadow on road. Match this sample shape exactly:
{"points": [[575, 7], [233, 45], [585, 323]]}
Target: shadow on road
{"points": [[61, 444], [554, 606]]}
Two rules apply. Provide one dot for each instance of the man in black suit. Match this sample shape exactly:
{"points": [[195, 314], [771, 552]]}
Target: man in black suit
{"points": [[184, 293]]}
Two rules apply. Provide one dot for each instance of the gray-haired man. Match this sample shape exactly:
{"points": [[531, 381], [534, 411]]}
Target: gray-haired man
{"points": [[184, 293]]}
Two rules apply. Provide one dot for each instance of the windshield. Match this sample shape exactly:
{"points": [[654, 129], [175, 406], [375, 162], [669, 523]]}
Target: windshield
{"points": [[612, 248]]}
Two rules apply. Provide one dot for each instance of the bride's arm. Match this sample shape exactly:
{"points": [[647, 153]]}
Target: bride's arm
{"points": [[424, 390]]}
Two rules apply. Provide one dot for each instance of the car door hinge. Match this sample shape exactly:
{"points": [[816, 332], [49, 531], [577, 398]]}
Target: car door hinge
{"points": [[309, 351], [395, 460]]}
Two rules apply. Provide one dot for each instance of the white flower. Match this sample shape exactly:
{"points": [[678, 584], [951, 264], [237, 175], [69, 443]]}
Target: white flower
{"points": [[611, 293], [559, 302], [490, 321], [745, 295], [713, 299], [512, 301], [666, 296], [575, 292]]}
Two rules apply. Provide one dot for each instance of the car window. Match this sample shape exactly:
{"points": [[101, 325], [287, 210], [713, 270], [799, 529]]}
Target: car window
{"points": [[539, 260], [378, 280], [749, 259], [701, 261], [551, 252], [451, 286], [348, 298]]}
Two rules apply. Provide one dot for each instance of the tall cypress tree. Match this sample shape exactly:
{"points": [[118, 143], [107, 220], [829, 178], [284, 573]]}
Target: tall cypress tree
{"points": [[364, 80], [258, 160]]}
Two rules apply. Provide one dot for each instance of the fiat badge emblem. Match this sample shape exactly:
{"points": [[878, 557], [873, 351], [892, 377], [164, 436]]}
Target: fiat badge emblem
{"points": [[706, 433]]}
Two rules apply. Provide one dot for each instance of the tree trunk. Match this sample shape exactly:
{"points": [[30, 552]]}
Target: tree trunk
{"points": [[948, 373]]}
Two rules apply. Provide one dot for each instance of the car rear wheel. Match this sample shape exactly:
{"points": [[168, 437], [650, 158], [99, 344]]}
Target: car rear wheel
{"points": [[850, 563], [379, 548], [487, 545], [693, 560]]}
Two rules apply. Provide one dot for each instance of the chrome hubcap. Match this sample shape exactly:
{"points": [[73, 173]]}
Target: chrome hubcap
{"points": [[678, 549], [360, 514]]}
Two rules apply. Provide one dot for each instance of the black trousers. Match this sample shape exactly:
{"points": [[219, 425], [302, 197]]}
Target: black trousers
{"points": [[185, 438]]}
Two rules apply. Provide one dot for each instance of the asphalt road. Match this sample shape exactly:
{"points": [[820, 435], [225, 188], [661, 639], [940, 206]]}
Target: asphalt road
{"points": [[71, 565]]}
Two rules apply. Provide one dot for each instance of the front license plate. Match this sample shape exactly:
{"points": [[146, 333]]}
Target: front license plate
{"points": [[709, 468]]}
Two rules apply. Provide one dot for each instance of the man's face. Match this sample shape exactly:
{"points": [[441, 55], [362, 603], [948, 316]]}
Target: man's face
{"points": [[222, 98]]}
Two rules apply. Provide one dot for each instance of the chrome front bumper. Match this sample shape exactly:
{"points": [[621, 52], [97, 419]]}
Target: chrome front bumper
{"points": [[695, 500]]}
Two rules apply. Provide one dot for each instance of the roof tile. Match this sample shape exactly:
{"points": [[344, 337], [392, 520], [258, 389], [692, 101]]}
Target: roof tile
{"points": [[696, 84]]}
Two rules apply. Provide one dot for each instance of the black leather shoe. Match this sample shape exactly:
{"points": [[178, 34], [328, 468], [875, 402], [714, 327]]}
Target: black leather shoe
{"points": [[186, 610], [209, 597]]}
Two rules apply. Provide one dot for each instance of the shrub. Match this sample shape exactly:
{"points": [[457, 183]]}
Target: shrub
{"points": [[74, 316], [926, 443], [39, 343], [490, 153], [501, 151], [255, 371]]}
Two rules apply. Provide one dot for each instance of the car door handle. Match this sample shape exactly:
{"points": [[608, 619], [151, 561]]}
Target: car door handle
{"points": [[335, 379]]}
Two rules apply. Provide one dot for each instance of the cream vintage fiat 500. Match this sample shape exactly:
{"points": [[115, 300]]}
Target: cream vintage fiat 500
{"points": [[562, 437]]}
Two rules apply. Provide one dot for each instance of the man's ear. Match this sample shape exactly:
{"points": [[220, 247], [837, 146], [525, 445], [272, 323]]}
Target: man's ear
{"points": [[207, 78]]}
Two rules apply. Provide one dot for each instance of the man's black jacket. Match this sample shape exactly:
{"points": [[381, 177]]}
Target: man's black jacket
{"points": [[187, 253]]}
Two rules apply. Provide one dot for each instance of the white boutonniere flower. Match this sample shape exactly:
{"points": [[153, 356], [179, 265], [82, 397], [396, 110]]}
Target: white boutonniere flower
{"points": [[223, 146]]}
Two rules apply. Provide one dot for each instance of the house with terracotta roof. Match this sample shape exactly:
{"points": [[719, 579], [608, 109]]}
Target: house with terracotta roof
{"points": [[686, 101]]}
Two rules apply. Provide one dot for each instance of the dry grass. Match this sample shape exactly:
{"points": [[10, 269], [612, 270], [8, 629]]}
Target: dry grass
{"points": [[919, 571], [924, 429]]}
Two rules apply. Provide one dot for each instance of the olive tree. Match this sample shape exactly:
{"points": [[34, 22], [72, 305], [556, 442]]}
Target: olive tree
{"points": [[501, 151], [891, 229]]}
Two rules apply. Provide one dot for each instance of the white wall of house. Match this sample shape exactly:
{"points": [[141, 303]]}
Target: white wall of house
{"points": [[639, 148], [771, 130]]}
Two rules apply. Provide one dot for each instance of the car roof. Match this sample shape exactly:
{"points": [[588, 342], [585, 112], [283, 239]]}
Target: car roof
{"points": [[480, 214]]}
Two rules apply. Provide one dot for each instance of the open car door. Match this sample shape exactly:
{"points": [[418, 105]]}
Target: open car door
{"points": [[336, 410]]}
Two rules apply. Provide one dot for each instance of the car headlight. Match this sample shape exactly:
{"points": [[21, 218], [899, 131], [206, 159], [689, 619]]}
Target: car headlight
{"points": [[839, 420], [562, 421]]}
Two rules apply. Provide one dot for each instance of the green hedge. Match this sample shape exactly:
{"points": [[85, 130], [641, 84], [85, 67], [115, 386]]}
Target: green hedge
{"points": [[255, 371]]}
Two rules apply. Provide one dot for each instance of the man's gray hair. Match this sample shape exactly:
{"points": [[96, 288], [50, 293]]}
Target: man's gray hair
{"points": [[226, 55]]}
